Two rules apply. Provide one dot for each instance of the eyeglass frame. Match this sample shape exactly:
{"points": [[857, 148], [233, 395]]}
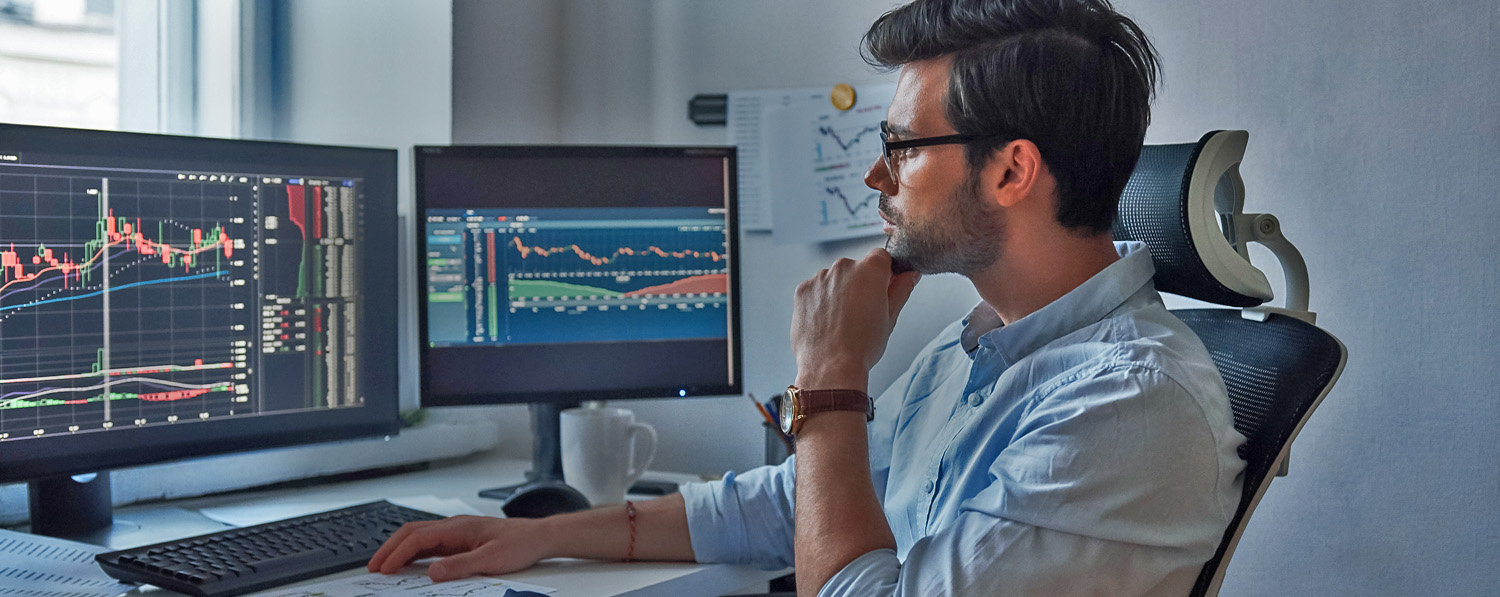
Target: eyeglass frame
{"points": [[887, 146]]}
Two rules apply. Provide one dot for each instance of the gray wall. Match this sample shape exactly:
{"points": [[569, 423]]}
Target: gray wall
{"points": [[1374, 129], [1371, 125]]}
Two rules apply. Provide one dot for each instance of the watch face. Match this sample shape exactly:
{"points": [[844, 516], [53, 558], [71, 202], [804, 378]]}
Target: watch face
{"points": [[786, 412]]}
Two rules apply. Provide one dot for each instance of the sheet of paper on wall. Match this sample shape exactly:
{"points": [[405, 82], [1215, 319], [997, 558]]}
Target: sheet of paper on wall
{"points": [[817, 156], [747, 127]]}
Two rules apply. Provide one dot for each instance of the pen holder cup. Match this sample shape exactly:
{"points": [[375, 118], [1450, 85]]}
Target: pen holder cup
{"points": [[776, 449]]}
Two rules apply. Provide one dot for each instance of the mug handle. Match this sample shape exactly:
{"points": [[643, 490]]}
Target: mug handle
{"points": [[638, 465]]}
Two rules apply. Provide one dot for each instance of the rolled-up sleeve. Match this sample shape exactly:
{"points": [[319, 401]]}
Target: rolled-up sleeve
{"points": [[744, 518], [984, 555]]}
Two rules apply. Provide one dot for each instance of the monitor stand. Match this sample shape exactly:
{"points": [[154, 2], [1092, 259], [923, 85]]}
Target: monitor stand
{"points": [[72, 507], [79, 508], [546, 451]]}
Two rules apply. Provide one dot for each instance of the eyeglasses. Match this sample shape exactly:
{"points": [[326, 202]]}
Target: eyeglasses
{"points": [[888, 147]]}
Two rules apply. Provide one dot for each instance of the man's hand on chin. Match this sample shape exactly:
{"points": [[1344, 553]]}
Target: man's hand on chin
{"points": [[842, 318]]}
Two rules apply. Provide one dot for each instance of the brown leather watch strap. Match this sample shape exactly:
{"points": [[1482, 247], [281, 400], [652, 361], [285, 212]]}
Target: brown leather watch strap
{"points": [[812, 402], [799, 404]]}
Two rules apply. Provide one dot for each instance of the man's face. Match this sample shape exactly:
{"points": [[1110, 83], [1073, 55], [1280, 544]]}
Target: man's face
{"points": [[937, 218]]}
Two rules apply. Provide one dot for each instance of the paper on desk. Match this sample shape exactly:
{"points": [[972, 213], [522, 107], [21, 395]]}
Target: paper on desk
{"points": [[411, 583], [38, 566], [263, 511]]}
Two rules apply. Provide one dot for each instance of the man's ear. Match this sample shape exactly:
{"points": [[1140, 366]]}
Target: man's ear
{"points": [[1013, 172]]}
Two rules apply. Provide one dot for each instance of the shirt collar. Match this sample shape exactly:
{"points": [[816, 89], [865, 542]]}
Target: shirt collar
{"points": [[1084, 305]]}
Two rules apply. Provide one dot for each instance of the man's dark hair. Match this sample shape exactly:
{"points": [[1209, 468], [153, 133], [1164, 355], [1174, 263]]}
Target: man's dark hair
{"points": [[1072, 76]]}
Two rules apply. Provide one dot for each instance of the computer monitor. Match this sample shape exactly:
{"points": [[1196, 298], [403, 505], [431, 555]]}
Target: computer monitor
{"points": [[553, 275], [164, 297]]}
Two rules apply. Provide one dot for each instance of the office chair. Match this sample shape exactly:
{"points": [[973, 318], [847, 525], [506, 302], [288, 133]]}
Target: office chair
{"points": [[1185, 202]]}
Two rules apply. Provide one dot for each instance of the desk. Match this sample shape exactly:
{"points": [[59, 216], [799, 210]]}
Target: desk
{"points": [[461, 479]]}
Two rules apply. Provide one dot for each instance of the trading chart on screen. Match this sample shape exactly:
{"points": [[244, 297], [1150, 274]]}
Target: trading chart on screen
{"points": [[543, 276], [156, 297]]}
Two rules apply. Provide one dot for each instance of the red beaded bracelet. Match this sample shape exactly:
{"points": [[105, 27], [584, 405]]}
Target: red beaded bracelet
{"points": [[630, 512]]}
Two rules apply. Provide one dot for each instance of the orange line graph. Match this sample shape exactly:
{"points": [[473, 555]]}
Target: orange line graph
{"points": [[527, 251]]}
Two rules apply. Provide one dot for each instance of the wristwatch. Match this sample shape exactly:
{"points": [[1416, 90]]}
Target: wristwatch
{"points": [[798, 404]]}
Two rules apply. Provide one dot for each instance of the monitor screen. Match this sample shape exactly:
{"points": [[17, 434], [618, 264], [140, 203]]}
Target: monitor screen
{"points": [[560, 274], [164, 297]]}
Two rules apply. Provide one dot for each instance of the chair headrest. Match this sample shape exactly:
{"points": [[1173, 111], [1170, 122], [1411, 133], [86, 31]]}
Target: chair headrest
{"points": [[1174, 203]]}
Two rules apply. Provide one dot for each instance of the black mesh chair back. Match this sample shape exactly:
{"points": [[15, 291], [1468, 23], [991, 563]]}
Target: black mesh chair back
{"points": [[1154, 210], [1277, 371], [1182, 201], [1170, 204]]}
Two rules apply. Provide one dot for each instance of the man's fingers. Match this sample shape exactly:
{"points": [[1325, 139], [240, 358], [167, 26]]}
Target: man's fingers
{"points": [[420, 543], [469, 545], [460, 565], [900, 290], [390, 544], [400, 555], [900, 286]]}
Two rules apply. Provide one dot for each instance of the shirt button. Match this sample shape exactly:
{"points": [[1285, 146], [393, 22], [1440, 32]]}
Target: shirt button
{"points": [[976, 399], [927, 487]]}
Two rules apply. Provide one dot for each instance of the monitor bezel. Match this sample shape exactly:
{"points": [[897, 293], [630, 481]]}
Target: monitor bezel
{"points": [[28, 459], [735, 385]]}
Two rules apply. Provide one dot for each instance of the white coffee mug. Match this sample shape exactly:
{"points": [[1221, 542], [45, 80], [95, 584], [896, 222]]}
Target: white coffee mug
{"points": [[604, 451]]}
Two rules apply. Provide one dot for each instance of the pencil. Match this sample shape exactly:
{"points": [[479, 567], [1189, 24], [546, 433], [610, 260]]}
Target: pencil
{"points": [[763, 412], [774, 424]]}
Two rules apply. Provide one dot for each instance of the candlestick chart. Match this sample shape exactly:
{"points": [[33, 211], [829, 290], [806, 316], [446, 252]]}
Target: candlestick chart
{"points": [[602, 276], [135, 298]]}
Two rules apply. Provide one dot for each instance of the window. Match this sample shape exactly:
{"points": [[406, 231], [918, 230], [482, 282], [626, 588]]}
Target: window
{"points": [[59, 63], [159, 66]]}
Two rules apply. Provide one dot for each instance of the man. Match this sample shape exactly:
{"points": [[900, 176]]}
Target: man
{"points": [[1068, 437]]}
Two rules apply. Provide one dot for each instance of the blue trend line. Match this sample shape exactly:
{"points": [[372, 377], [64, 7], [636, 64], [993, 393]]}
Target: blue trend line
{"points": [[829, 131], [99, 292], [852, 209]]}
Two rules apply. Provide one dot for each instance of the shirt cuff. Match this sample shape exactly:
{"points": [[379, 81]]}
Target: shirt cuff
{"points": [[875, 573], [708, 507], [742, 519]]}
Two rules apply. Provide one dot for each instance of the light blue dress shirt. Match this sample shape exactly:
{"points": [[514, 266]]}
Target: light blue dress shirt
{"points": [[1086, 448]]}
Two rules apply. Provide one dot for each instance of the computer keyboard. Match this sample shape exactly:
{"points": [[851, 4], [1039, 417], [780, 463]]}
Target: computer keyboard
{"points": [[257, 557]]}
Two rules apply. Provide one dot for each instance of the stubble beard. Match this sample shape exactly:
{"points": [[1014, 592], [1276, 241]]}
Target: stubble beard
{"points": [[963, 237]]}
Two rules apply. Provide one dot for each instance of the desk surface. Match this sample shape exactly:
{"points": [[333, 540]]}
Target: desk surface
{"points": [[461, 479]]}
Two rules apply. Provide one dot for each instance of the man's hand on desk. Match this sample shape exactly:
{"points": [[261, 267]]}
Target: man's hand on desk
{"points": [[470, 545]]}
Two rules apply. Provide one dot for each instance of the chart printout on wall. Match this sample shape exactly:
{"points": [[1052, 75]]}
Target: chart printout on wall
{"points": [[802, 162]]}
